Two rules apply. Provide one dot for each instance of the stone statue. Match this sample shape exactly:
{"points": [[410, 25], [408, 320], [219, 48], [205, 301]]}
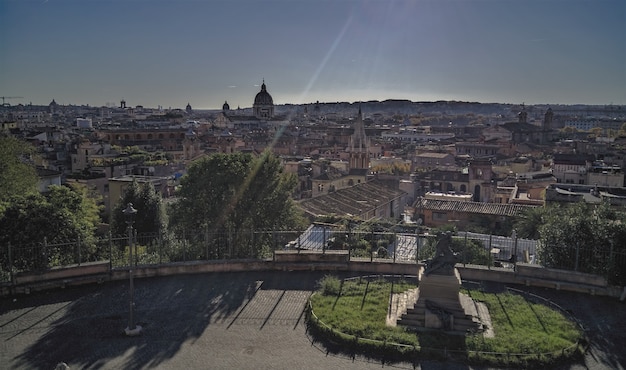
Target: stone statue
{"points": [[444, 259]]}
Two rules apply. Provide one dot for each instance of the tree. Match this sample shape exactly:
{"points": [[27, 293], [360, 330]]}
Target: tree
{"points": [[471, 251], [528, 223], [586, 238], [569, 130], [53, 229], [17, 176], [235, 194], [151, 217], [595, 132], [81, 205], [467, 250]]}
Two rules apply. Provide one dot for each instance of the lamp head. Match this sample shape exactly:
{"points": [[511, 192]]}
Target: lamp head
{"points": [[129, 211]]}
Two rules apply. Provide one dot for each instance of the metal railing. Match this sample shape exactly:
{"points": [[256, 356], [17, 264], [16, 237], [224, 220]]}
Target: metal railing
{"points": [[203, 245]]}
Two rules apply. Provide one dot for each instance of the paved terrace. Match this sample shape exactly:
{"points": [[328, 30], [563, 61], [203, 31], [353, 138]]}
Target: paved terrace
{"points": [[221, 321]]}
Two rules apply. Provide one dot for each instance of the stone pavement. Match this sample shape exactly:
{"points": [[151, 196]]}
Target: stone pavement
{"points": [[219, 321]]}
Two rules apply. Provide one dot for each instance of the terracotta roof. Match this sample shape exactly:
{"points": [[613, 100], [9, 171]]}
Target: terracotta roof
{"points": [[498, 209], [352, 201]]}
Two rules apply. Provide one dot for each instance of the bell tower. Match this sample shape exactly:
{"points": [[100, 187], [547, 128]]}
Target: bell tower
{"points": [[359, 145], [480, 176]]}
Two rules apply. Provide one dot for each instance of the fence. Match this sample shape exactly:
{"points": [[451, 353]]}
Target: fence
{"points": [[199, 245]]}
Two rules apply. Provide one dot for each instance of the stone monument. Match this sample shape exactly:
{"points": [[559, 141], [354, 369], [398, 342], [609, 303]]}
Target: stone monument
{"points": [[439, 304]]}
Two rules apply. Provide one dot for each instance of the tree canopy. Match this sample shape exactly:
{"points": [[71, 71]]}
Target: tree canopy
{"points": [[58, 219], [581, 237], [151, 216], [17, 176], [236, 192]]}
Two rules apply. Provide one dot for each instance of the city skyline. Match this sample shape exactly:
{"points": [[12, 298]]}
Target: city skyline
{"points": [[166, 53]]}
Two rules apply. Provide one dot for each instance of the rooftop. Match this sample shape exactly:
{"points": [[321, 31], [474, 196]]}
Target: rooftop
{"points": [[352, 201]]}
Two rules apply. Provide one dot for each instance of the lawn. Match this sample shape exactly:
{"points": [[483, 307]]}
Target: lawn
{"points": [[354, 312]]}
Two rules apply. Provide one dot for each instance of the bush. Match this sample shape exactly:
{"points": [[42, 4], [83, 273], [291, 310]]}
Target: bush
{"points": [[330, 285]]}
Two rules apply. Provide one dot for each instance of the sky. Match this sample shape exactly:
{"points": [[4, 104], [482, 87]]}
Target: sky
{"points": [[204, 52]]}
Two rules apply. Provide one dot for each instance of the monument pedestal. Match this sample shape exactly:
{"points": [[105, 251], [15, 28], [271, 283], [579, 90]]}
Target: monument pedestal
{"points": [[440, 305]]}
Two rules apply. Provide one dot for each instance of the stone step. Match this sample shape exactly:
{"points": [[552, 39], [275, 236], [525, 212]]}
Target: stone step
{"points": [[417, 311], [412, 317], [411, 321], [462, 322]]}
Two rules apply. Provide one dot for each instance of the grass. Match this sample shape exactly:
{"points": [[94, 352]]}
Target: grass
{"points": [[355, 311], [360, 309], [523, 327]]}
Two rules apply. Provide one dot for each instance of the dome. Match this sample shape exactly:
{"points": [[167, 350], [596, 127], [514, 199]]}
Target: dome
{"points": [[263, 97], [225, 106]]}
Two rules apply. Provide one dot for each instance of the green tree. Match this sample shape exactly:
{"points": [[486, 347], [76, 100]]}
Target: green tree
{"points": [[48, 230], [467, 250], [17, 176], [586, 238], [151, 217], [471, 251], [595, 132], [528, 223], [81, 205], [235, 194]]}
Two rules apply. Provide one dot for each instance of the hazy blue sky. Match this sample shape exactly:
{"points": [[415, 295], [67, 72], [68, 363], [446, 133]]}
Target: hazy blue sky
{"points": [[170, 52]]}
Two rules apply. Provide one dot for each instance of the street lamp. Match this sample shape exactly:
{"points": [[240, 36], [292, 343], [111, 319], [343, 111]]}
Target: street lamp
{"points": [[130, 213], [418, 232]]}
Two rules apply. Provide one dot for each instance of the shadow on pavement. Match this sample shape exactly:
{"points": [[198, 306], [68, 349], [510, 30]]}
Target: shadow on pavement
{"points": [[171, 310], [84, 325]]}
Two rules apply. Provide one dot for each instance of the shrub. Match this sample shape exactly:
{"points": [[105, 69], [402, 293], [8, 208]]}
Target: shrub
{"points": [[330, 285]]}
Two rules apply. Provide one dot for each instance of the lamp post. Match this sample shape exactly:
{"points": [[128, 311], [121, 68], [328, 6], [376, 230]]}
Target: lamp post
{"points": [[130, 213], [418, 232], [514, 256]]}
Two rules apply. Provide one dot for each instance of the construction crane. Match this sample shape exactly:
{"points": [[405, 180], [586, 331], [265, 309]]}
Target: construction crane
{"points": [[4, 104]]}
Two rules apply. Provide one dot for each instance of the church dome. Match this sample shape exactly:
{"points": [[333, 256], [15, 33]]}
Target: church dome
{"points": [[263, 97], [225, 107]]}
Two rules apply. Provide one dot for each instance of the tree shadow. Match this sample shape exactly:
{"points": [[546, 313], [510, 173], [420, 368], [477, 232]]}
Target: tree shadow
{"points": [[88, 329], [506, 313]]}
